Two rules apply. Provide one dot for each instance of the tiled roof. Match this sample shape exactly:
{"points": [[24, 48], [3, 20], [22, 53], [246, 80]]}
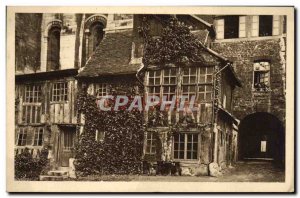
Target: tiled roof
{"points": [[111, 57]]}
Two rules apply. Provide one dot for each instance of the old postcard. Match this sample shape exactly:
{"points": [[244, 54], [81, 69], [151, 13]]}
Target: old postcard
{"points": [[150, 99]]}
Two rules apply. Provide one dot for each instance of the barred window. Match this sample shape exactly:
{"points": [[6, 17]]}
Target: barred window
{"points": [[60, 92], [21, 137], [151, 143], [186, 146], [38, 136], [32, 93]]}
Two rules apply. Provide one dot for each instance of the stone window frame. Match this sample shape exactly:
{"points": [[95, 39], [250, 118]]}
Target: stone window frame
{"points": [[258, 69], [60, 92], [150, 143], [54, 26], [276, 19], [185, 143], [89, 27], [221, 26]]}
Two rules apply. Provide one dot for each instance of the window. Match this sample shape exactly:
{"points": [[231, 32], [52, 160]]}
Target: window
{"points": [[21, 137], [100, 135], [60, 92], [94, 37], [151, 143], [265, 25], [186, 146], [31, 113], [169, 83], [189, 82], [32, 104], [154, 83], [261, 76], [231, 27], [32, 93], [101, 90], [205, 84], [38, 136], [53, 50]]}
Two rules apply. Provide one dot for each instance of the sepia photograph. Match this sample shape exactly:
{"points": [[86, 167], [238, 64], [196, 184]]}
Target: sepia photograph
{"points": [[180, 100]]}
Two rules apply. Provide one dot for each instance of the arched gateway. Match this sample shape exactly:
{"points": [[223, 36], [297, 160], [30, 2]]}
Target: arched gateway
{"points": [[262, 136]]}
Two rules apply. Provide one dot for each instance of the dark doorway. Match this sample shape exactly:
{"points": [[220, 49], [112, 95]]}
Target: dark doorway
{"points": [[261, 136], [67, 140]]}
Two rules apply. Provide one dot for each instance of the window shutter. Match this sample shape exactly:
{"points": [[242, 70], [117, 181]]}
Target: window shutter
{"points": [[220, 29], [242, 26], [276, 20], [255, 26]]}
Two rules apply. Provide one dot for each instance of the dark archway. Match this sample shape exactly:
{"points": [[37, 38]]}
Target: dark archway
{"points": [[262, 135]]}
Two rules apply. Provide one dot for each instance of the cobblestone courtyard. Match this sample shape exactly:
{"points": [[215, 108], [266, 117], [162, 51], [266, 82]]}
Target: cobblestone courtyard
{"points": [[250, 171]]}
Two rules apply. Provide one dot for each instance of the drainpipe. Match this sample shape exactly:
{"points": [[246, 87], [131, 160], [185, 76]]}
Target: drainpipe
{"points": [[138, 72], [215, 129]]}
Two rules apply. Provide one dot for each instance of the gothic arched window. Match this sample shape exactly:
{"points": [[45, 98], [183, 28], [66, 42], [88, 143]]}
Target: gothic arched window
{"points": [[95, 36], [53, 49]]}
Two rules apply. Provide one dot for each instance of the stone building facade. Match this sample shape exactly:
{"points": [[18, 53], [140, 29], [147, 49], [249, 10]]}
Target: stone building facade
{"points": [[257, 47], [105, 51]]}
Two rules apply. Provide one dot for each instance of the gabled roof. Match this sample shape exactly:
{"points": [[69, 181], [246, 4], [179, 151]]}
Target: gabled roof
{"points": [[111, 57]]}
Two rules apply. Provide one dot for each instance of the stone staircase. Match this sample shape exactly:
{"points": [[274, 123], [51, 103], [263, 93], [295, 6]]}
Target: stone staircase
{"points": [[60, 174]]}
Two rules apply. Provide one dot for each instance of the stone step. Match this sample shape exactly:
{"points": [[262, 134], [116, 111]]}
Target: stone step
{"points": [[52, 178], [58, 173]]}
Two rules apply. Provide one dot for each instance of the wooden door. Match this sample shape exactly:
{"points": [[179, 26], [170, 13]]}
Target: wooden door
{"points": [[67, 144]]}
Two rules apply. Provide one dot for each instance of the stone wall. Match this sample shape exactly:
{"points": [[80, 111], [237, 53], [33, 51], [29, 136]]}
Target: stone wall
{"points": [[243, 53]]}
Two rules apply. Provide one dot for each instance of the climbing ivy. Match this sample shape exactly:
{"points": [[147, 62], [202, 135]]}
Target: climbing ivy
{"points": [[121, 150], [176, 44]]}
